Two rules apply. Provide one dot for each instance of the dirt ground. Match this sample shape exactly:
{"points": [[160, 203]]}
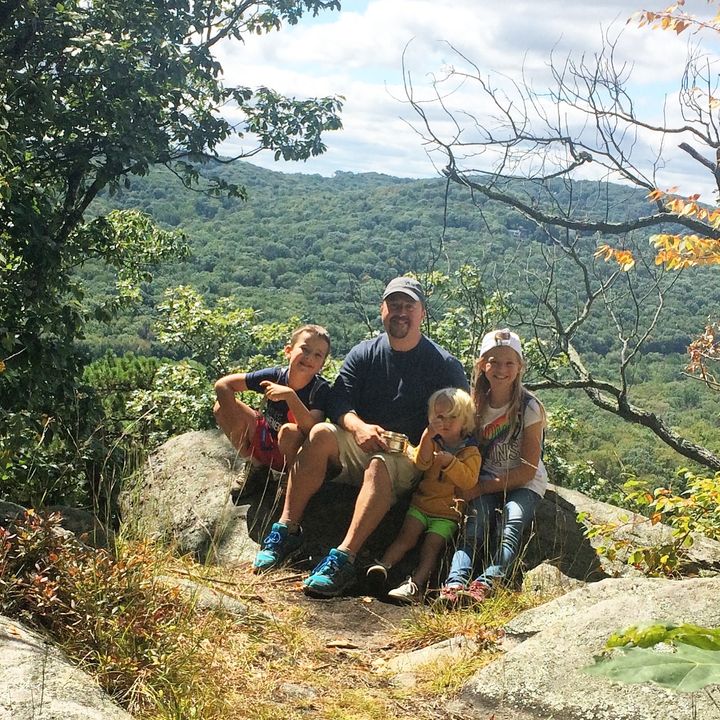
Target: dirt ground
{"points": [[355, 619], [356, 630]]}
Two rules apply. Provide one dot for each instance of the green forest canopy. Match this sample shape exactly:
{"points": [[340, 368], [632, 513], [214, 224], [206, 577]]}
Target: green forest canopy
{"points": [[321, 248], [303, 243]]}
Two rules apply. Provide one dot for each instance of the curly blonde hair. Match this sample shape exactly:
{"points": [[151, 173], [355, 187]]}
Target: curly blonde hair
{"points": [[461, 406]]}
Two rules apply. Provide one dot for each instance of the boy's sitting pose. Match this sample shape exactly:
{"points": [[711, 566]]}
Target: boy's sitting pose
{"points": [[295, 400]]}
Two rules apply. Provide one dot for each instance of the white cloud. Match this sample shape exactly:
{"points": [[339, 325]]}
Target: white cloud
{"points": [[358, 53]]}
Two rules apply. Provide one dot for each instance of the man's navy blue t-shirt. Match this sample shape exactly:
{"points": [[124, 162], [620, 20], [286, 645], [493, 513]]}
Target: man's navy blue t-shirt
{"points": [[390, 388]]}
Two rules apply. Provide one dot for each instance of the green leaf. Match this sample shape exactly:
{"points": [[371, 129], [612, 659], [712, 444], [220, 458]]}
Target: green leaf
{"points": [[687, 669]]}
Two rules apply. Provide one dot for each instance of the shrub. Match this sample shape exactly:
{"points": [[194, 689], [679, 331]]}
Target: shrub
{"points": [[147, 646], [694, 510]]}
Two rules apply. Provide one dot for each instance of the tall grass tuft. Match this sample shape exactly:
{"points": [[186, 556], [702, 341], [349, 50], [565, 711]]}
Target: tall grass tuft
{"points": [[147, 646]]}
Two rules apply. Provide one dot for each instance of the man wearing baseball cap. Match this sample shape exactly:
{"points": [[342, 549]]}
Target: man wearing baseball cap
{"points": [[383, 385]]}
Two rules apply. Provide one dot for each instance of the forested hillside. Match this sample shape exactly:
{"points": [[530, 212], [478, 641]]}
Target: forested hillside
{"points": [[321, 248], [300, 244]]}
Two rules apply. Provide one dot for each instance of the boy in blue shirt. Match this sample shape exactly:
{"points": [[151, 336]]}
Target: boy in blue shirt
{"points": [[295, 399]]}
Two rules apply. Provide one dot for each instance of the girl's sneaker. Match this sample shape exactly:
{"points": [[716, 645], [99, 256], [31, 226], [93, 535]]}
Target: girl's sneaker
{"points": [[475, 593], [408, 592], [450, 594]]}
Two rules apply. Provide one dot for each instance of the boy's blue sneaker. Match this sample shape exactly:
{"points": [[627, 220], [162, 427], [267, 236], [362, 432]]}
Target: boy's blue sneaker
{"points": [[277, 547], [334, 573]]}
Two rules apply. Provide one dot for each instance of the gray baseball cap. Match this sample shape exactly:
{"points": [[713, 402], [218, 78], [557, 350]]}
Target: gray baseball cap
{"points": [[406, 285]]}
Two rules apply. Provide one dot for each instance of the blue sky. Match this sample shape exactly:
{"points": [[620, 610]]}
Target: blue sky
{"points": [[358, 53]]}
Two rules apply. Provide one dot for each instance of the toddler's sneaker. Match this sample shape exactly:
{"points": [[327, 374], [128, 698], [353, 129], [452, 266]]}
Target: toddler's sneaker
{"points": [[376, 576], [276, 548], [408, 592], [332, 575]]}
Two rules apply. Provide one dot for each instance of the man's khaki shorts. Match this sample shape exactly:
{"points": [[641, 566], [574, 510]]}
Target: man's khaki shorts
{"points": [[403, 473]]}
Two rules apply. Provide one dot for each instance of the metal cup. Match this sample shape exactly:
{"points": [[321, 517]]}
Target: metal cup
{"points": [[396, 442]]}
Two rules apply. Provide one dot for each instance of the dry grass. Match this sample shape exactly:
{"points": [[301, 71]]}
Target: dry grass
{"points": [[164, 658], [290, 670]]}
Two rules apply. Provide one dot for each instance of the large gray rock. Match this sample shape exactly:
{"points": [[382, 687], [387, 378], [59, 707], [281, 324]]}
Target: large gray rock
{"points": [[183, 496], [540, 677], [38, 683]]}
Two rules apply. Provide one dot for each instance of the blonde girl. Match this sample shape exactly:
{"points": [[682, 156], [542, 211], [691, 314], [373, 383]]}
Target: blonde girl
{"points": [[509, 425], [450, 460]]}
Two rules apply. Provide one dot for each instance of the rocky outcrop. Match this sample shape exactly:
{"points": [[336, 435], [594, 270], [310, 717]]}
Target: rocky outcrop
{"points": [[38, 683], [560, 511], [196, 493], [184, 496], [541, 674]]}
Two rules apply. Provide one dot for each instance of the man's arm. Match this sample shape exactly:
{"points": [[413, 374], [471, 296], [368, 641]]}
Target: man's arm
{"points": [[368, 437]]}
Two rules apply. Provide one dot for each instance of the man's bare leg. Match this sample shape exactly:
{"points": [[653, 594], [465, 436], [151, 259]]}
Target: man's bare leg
{"points": [[374, 500], [337, 570], [308, 472]]}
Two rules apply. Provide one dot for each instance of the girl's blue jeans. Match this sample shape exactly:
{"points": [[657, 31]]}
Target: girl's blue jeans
{"points": [[492, 536]]}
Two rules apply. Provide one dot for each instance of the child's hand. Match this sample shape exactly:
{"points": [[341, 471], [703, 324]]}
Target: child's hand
{"points": [[276, 392], [426, 448], [443, 458], [426, 438]]}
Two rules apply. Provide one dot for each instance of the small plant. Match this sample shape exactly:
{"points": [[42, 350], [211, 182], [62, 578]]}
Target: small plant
{"points": [[688, 661], [146, 645], [696, 509]]}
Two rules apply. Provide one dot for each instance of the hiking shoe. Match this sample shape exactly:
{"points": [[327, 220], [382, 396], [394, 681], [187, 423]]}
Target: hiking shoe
{"points": [[376, 576], [277, 547], [331, 576], [408, 592], [476, 592], [450, 594]]}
